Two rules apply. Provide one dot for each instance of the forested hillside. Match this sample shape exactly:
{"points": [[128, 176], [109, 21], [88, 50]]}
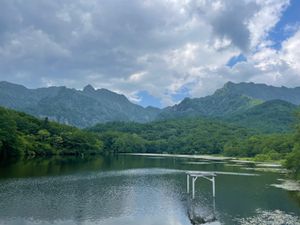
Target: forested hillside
{"points": [[194, 136], [202, 136], [264, 92], [275, 116], [238, 120], [238, 99], [21, 134], [257, 106], [190, 136]]}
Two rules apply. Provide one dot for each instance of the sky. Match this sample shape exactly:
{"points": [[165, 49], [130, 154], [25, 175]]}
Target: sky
{"points": [[156, 52]]}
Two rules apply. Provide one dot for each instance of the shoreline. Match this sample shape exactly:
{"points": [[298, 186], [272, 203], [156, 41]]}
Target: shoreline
{"points": [[275, 164], [207, 157]]}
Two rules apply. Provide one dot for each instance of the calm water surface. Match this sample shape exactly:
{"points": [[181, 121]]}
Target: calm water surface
{"points": [[132, 190]]}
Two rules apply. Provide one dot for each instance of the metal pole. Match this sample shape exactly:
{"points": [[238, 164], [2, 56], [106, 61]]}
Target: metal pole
{"points": [[188, 183], [194, 179], [214, 206], [214, 188]]}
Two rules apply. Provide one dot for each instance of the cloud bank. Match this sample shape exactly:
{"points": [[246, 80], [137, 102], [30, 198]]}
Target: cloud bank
{"points": [[166, 48]]}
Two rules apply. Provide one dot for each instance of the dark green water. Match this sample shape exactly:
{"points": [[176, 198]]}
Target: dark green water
{"points": [[131, 190]]}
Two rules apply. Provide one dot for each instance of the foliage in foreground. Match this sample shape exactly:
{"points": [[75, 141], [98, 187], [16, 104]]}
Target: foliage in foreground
{"points": [[21, 134]]}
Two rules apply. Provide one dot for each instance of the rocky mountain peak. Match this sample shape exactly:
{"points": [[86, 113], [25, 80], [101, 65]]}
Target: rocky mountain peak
{"points": [[88, 88]]}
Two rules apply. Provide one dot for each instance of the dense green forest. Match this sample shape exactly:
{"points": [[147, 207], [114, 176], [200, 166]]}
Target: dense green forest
{"points": [[202, 136], [190, 136], [21, 134], [275, 116], [293, 158], [194, 136]]}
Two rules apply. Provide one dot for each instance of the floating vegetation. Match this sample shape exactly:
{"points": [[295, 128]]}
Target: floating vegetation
{"points": [[268, 169], [242, 161], [275, 217], [202, 162], [290, 185], [271, 165], [207, 157]]}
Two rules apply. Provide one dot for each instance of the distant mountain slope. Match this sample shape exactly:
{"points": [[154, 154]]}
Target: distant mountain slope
{"points": [[268, 117], [265, 92], [75, 107], [217, 105], [246, 104], [230, 100]]}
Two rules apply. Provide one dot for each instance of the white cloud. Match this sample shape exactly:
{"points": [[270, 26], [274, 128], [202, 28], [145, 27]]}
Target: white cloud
{"points": [[275, 67], [137, 77], [159, 46], [265, 19], [31, 44], [291, 52]]}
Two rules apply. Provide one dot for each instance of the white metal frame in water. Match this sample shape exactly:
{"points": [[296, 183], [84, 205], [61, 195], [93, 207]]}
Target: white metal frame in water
{"points": [[198, 174]]}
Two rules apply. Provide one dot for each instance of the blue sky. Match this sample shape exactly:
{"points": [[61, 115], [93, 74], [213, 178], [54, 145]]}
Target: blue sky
{"points": [[290, 17], [158, 54], [148, 100]]}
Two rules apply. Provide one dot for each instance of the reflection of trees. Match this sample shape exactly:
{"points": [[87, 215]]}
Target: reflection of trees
{"points": [[295, 196], [24, 167]]}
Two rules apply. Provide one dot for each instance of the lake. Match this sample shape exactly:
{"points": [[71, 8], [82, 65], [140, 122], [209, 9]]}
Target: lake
{"points": [[139, 190]]}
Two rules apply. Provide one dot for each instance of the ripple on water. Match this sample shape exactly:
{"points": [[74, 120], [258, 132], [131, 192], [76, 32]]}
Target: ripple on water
{"points": [[122, 197]]}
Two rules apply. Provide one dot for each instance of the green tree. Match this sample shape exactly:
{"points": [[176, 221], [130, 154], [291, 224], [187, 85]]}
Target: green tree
{"points": [[293, 158], [8, 135]]}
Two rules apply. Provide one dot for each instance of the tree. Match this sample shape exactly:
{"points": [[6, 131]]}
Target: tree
{"points": [[24, 134], [43, 135], [8, 135], [293, 158]]}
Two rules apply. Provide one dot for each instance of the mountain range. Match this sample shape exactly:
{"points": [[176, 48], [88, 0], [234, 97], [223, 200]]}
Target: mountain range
{"points": [[268, 108], [74, 107], [233, 98]]}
